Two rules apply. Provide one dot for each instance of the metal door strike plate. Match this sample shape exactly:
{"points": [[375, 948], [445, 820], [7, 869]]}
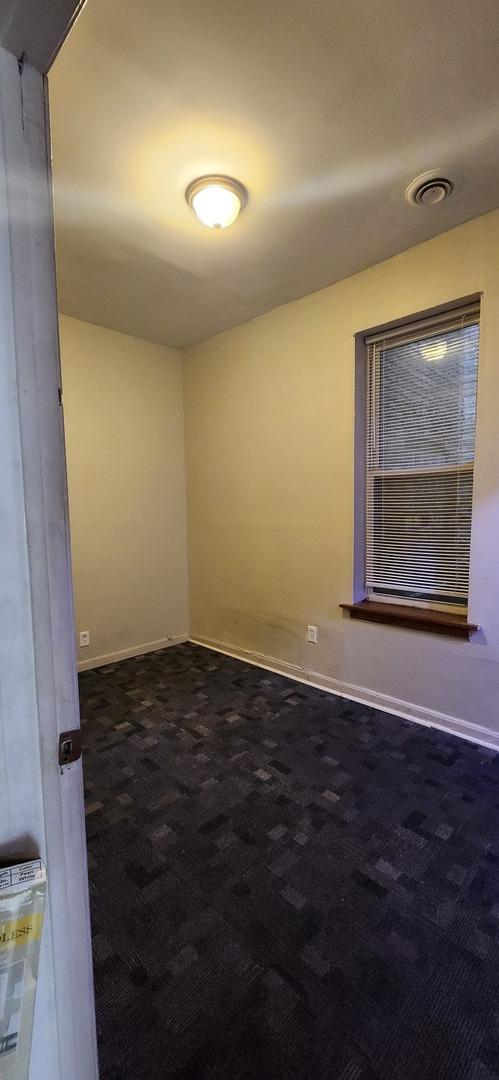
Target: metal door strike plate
{"points": [[69, 747]]}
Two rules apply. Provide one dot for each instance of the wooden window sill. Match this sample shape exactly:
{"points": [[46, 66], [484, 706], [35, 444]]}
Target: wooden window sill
{"points": [[412, 618]]}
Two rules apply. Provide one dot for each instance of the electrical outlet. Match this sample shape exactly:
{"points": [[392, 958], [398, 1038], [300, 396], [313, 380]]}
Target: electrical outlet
{"points": [[84, 638], [312, 634]]}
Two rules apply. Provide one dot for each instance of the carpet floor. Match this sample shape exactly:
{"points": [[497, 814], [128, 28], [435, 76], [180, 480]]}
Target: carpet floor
{"points": [[285, 885]]}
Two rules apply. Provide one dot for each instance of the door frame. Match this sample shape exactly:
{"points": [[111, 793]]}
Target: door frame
{"points": [[41, 805]]}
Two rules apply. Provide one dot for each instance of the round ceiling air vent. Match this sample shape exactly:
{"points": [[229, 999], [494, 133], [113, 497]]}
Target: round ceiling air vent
{"points": [[429, 189]]}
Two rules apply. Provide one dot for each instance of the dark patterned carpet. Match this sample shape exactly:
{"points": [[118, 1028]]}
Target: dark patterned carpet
{"points": [[285, 885]]}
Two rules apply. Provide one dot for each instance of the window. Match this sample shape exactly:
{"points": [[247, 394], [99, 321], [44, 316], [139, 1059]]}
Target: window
{"points": [[421, 404]]}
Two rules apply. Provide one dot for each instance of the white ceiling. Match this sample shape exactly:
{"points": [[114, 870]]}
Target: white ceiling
{"points": [[325, 110]]}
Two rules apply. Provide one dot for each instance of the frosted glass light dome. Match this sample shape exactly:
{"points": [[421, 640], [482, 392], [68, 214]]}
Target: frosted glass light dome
{"points": [[216, 200]]}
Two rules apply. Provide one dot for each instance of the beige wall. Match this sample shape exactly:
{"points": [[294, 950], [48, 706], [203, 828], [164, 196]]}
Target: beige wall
{"points": [[269, 412], [125, 454]]}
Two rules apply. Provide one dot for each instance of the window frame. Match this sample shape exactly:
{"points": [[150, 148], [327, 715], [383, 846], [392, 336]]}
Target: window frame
{"points": [[371, 602]]}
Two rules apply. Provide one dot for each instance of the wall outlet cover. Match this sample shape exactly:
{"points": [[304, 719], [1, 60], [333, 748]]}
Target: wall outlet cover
{"points": [[312, 634], [84, 638]]}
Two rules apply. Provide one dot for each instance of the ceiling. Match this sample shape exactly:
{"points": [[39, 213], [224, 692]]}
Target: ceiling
{"points": [[325, 110]]}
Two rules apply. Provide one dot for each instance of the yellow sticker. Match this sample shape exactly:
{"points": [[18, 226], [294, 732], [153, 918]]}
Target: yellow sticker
{"points": [[20, 931]]}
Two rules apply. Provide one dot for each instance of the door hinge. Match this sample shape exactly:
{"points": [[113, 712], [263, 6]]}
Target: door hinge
{"points": [[69, 746]]}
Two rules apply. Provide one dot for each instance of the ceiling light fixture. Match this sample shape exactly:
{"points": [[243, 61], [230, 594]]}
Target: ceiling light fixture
{"points": [[216, 200]]}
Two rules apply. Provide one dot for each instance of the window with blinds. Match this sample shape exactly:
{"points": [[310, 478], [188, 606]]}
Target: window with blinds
{"points": [[421, 405]]}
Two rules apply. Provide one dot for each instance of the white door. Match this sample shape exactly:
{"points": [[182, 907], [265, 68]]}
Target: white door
{"points": [[41, 807]]}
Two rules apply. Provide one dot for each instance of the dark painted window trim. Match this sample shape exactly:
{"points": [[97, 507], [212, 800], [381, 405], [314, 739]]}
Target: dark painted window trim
{"points": [[412, 618]]}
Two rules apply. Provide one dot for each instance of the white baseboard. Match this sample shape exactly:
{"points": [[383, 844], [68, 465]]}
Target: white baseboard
{"points": [[429, 717], [134, 650]]}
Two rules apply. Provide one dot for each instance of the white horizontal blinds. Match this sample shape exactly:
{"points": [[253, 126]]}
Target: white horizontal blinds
{"points": [[420, 447]]}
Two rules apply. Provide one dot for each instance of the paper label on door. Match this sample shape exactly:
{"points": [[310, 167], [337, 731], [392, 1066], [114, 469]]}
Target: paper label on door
{"points": [[11, 996], [22, 895], [16, 932]]}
